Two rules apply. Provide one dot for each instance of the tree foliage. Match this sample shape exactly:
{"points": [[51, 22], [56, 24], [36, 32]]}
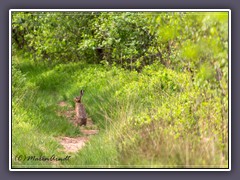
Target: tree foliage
{"points": [[179, 40]]}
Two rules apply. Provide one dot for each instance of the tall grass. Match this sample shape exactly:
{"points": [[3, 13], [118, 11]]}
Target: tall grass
{"points": [[156, 118]]}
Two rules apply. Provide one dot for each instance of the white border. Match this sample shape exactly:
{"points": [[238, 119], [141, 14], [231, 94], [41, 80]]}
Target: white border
{"points": [[118, 10], [229, 87], [10, 90], [123, 10]]}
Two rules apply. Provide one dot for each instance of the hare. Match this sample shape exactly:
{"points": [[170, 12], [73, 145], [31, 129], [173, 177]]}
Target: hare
{"points": [[81, 114]]}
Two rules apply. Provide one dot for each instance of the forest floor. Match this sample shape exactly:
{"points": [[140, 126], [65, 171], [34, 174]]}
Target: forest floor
{"points": [[74, 144]]}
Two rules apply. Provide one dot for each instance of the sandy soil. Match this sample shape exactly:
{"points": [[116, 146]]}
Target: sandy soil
{"points": [[74, 144]]}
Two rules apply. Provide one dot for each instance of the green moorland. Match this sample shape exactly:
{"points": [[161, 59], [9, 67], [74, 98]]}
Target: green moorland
{"points": [[156, 87]]}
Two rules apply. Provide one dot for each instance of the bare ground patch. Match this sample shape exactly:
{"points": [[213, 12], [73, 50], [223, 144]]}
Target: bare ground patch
{"points": [[88, 132], [74, 144], [62, 104]]}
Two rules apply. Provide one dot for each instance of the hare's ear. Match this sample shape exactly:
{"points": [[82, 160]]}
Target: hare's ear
{"points": [[81, 93]]}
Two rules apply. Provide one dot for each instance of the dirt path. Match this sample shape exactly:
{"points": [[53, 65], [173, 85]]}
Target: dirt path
{"points": [[74, 144]]}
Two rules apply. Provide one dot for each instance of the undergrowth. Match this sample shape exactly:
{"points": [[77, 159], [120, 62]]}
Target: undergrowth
{"points": [[155, 118]]}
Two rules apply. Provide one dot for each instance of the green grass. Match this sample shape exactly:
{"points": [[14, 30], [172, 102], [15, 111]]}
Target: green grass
{"points": [[144, 118]]}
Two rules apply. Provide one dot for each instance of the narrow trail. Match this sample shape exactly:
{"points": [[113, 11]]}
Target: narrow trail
{"points": [[74, 144]]}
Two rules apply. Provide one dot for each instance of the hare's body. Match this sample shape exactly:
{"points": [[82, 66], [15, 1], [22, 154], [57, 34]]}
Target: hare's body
{"points": [[81, 114]]}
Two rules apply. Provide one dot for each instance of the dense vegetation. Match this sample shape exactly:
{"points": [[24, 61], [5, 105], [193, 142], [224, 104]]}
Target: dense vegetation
{"points": [[156, 83]]}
